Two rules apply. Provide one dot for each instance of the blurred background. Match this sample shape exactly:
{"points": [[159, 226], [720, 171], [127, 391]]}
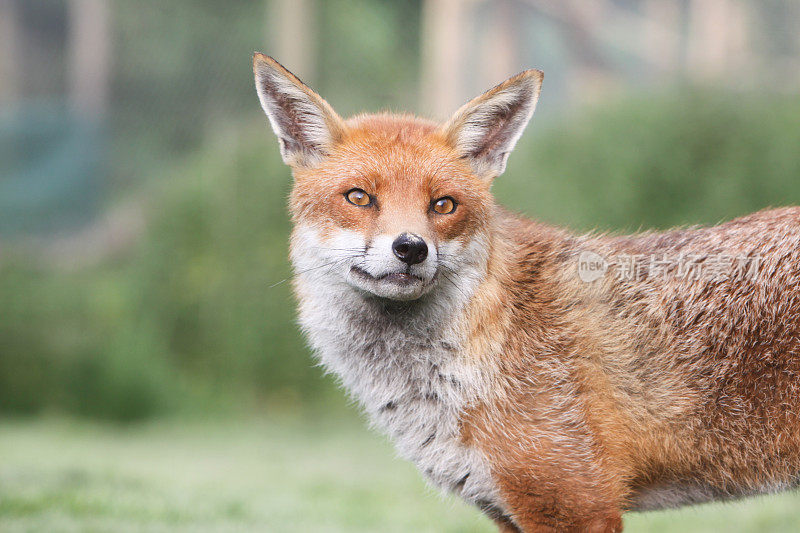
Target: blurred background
{"points": [[151, 374]]}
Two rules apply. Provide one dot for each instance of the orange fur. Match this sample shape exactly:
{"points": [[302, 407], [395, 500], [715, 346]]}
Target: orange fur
{"points": [[603, 396]]}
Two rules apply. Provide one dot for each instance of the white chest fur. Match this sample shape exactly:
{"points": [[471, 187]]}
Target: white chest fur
{"points": [[404, 365]]}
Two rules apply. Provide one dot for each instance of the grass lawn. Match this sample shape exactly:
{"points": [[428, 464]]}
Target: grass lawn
{"points": [[280, 474]]}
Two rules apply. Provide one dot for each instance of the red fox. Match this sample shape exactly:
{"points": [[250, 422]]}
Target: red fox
{"points": [[553, 380]]}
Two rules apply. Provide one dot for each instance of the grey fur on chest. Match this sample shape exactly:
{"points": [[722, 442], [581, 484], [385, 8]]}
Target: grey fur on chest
{"points": [[405, 370], [426, 432]]}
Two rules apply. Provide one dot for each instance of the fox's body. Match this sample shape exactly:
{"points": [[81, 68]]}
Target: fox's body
{"points": [[549, 401]]}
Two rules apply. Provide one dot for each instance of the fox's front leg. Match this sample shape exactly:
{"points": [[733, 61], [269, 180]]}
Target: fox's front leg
{"points": [[558, 503], [541, 523], [550, 475], [531, 513], [545, 525], [599, 525]]}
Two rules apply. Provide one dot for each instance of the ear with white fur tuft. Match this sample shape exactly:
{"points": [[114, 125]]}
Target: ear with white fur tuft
{"points": [[306, 125], [485, 130]]}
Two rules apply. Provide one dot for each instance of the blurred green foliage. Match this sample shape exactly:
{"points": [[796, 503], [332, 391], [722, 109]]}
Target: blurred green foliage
{"points": [[174, 88], [686, 156], [195, 313]]}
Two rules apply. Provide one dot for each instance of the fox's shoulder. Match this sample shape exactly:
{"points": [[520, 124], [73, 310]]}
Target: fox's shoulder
{"points": [[525, 237]]}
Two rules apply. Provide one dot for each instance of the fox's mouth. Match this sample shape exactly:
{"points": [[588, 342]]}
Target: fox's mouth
{"points": [[400, 278], [393, 285]]}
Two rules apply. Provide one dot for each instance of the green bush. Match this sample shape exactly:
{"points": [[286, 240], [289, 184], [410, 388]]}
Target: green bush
{"points": [[210, 273], [66, 343], [195, 314], [683, 157]]}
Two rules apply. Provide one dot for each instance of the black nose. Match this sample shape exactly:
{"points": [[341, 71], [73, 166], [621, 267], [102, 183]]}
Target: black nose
{"points": [[410, 249]]}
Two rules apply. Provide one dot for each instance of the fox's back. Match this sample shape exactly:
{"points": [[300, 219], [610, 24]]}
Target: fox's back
{"points": [[697, 335]]}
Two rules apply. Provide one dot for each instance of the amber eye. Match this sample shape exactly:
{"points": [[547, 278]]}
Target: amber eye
{"points": [[358, 197], [444, 206]]}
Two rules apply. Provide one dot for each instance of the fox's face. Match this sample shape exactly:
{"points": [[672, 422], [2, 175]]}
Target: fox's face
{"points": [[392, 206]]}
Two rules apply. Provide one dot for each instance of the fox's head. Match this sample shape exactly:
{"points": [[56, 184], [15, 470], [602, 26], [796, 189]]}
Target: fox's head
{"points": [[391, 205]]}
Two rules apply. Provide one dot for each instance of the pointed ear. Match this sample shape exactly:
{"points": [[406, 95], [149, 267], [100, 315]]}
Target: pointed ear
{"points": [[486, 129], [306, 126]]}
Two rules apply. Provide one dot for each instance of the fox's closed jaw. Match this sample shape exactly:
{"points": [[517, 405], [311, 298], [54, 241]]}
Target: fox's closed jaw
{"points": [[394, 285], [371, 269], [410, 273], [400, 278]]}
